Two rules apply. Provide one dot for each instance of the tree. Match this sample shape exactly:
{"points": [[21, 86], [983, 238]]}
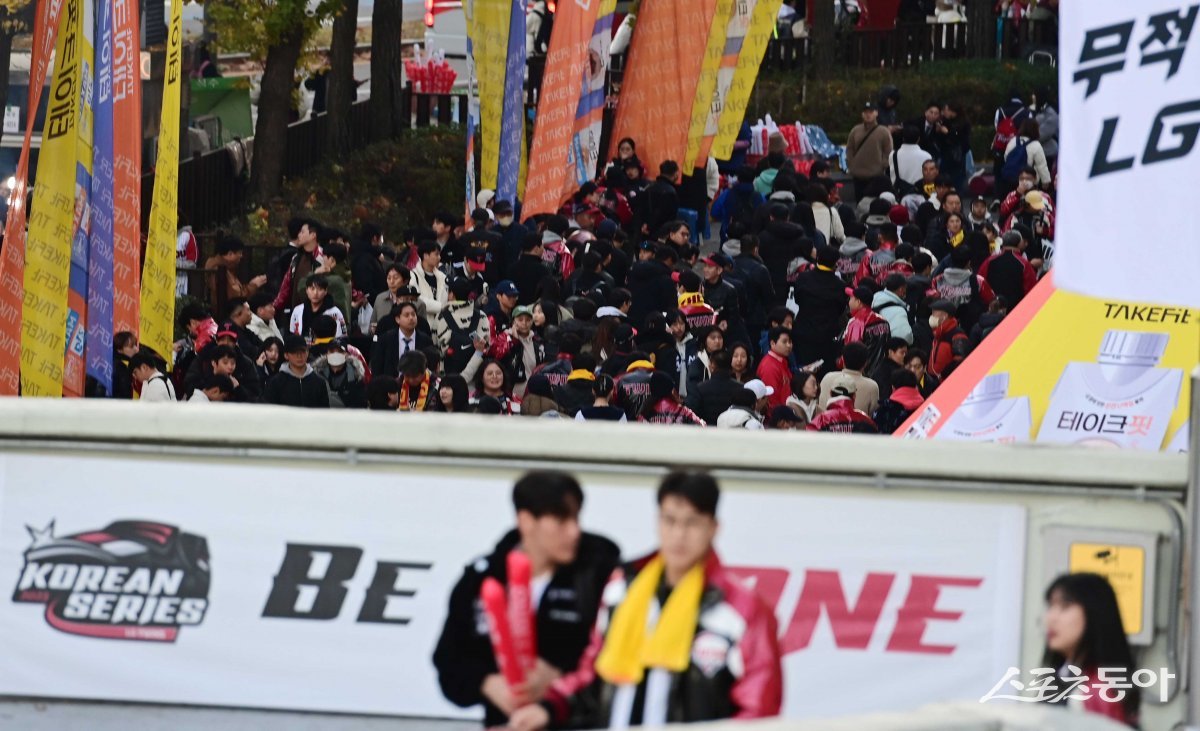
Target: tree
{"points": [[276, 33], [821, 38], [340, 89], [16, 17], [387, 89], [981, 29]]}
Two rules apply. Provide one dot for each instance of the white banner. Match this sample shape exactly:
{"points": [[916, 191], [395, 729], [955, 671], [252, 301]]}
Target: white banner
{"points": [[1127, 225], [325, 589]]}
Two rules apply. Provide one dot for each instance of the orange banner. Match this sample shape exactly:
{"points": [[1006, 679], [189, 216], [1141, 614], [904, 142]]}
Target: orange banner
{"points": [[127, 166], [12, 261], [664, 65], [554, 128]]}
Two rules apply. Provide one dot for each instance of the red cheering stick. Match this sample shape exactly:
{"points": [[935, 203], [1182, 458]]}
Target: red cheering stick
{"points": [[520, 610], [494, 606]]}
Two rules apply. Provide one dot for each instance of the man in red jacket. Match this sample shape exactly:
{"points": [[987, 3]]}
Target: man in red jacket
{"points": [[841, 417], [950, 344], [678, 639], [774, 369]]}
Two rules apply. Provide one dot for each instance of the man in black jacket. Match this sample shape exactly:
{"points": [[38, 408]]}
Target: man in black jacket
{"points": [[722, 295], [713, 397], [296, 383], [760, 291], [659, 203], [779, 244], [651, 285], [822, 301], [569, 568], [512, 234], [529, 270], [398, 341]]}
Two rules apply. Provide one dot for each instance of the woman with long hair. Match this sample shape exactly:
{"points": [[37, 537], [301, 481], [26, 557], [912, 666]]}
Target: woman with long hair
{"points": [[601, 409], [1083, 635], [494, 381], [711, 340], [604, 342], [741, 361], [453, 396], [804, 399], [269, 359]]}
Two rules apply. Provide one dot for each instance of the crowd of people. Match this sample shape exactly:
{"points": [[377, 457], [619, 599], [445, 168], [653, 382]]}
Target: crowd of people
{"points": [[801, 310]]}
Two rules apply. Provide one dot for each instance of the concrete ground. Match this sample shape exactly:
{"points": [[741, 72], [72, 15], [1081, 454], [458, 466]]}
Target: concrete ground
{"points": [[28, 714]]}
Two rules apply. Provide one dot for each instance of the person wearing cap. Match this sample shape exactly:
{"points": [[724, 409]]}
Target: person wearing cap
{"points": [[512, 233], [868, 148], [841, 416], [631, 391], [345, 376], [978, 217], [577, 391], [500, 307], [296, 383], [1009, 273], [721, 294], [891, 304], [555, 253], [864, 326], [743, 410], [432, 283], [951, 344], [855, 359], [213, 389], [821, 301], [1034, 220], [234, 363], [405, 337], [520, 350], [471, 270], [482, 238], [663, 405], [774, 369]]}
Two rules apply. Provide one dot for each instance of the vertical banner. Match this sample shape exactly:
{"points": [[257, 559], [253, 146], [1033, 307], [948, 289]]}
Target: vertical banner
{"points": [[664, 66], [589, 114], [566, 64], [512, 125], [1128, 85], [98, 349], [750, 51], [158, 279], [489, 24], [127, 165], [12, 257], [74, 365], [472, 127], [48, 255], [706, 106]]}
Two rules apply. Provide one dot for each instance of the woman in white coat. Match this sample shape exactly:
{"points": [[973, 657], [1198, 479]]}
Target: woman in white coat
{"points": [[1035, 155]]}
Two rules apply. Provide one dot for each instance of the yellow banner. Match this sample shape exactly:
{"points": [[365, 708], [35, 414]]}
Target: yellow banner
{"points": [[754, 47], [48, 252], [702, 103], [489, 43], [158, 274]]}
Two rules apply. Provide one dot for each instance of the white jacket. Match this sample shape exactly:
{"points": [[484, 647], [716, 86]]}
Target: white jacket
{"points": [[296, 326], [828, 223], [907, 162], [738, 418], [264, 329], [434, 299], [158, 388], [1035, 157]]}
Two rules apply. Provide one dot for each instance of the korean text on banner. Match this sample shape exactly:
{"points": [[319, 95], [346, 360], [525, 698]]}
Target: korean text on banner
{"points": [[1131, 113], [1118, 381], [12, 257], [549, 163], [98, 349], [736, 96], [664, 65], [512, 125], [489, 43], [74, 365], [589, 114], [127, 165], [706, 104], [48, 254], [158, 278]]}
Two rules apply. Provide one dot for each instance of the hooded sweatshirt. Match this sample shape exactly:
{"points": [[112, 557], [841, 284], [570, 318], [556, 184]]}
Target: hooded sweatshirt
{"points": [[287, 389], [738, 417], [852, 252]]}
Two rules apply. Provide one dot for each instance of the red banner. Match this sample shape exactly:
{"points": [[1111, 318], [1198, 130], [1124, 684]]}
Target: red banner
{"points": [[127, 166]]}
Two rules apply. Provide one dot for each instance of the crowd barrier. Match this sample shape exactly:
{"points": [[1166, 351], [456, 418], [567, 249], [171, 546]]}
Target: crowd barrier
{"points": [[256, 556]]}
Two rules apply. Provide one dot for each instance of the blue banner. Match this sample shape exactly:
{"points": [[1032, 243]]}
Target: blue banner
{"points": [[512, 126], [100, 235]]}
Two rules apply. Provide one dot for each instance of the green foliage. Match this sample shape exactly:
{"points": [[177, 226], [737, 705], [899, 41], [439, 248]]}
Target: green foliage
{"points": [[835, 103], [253, 26], [396, 184]]}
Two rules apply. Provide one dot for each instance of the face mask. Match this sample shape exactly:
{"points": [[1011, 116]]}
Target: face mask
{"points": [[337, 360], [505, 220], [934, 321]]}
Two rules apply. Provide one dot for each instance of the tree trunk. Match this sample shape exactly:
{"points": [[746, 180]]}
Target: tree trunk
{"points": [[981, 29], [387, 89], [340, 92], [274, 108], [821, 38]]}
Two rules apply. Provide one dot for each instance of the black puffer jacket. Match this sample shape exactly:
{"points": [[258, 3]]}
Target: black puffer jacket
{"points": [[778, 244]]}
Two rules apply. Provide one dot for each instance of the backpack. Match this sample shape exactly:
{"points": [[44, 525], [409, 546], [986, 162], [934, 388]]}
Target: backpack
{"points": [[765, 182], [1006, 130], [902, 186], [1015, 161], [461, 346], [876, 337]]}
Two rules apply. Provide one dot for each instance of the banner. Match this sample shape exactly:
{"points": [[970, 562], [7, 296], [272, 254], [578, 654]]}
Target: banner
{"points": [[662, 73], [1131, 118], [512, 124], [12, 255], [589, 114], [1118, 381], [749, 51], [99, 348], [169, 596], [550, 169], [48, 255], [158, 279], [706, 104], [74, 365], [127, 165], [489, 23]]}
